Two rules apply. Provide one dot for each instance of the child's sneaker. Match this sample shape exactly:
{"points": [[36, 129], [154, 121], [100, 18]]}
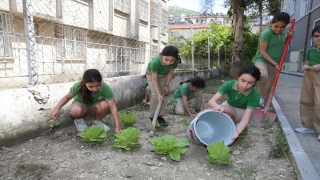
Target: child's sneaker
{"points": [[80, 124], [304, 130], [99, 123], [162, 121]]}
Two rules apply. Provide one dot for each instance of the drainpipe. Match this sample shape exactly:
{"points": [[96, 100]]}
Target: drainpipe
{"points": [[307, 32]]}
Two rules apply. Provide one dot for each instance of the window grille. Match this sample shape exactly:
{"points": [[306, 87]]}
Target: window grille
{"points": [[6, 21], [144, 10], [121, 5]]}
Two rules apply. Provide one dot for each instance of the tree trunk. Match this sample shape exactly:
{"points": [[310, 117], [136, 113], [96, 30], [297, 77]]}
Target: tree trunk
{"points": [[238, 44], [260, 16]]}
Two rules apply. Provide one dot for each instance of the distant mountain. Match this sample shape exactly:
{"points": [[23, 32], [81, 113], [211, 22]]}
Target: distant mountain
{"points": [[176, 11]]}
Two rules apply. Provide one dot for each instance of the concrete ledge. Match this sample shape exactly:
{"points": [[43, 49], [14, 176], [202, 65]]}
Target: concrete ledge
{"points": [[301, 162], [24, 112]]}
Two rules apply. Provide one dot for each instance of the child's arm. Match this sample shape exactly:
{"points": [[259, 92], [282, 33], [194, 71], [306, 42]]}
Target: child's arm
{"points": [[170, 75], [305, 65], [186, 106], [213, 102], [56, 111], [114, 112], [264, 54], [145, 99]]}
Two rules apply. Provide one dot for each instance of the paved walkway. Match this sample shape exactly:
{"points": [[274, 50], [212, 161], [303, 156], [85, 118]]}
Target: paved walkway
{"points": [[305, 148]]}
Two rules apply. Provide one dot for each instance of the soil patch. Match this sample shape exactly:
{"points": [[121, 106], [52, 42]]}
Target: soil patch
{"points": [[63, 155]]}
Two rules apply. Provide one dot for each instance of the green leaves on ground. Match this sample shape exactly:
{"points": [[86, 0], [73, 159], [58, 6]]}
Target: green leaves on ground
{"points": [[129, 118], [219, 153], [127, 138], [168, 145], [93, 134]]}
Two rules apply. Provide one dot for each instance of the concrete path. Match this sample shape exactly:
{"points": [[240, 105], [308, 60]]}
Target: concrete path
{"points": [[305, 148]]}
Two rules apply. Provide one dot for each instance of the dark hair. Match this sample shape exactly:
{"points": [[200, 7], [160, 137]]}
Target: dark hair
{"points": [[281, 16], [252, 70], [197, 82], [315, 29], [89, 76], [171, 51]]}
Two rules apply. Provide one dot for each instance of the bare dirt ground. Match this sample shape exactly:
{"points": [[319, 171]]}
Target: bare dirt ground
{"points": [[63, 155]]}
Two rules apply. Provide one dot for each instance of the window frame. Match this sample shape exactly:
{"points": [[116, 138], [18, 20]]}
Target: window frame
{"points": [[6, 30], [144, 10]]}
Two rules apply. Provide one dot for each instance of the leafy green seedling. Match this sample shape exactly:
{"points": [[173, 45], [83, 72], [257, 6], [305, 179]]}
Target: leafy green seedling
{"points": [[127, 138], [93, 134], [53, 124], [129, 118], [219, 153], [168, 145]]}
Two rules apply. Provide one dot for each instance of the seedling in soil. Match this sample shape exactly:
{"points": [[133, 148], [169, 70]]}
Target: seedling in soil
{"points": [[219, 153], [93, 135], [244, 173], [168, 144], [128, 119], [127, 139], [267, 124], [53, 124], [280, 147]]}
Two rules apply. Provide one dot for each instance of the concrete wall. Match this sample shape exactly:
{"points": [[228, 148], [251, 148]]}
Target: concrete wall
{"points": [[24, 112]]}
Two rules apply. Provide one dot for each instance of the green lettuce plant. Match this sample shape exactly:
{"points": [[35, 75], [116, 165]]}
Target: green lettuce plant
{"points": [[219, 153], [129, 118], [127, 138], [93, 134], [168, 145]]}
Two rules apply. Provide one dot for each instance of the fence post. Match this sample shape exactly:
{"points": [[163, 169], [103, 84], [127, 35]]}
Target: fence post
{"points": [[208, 52], [30, 42], [159, 24]]}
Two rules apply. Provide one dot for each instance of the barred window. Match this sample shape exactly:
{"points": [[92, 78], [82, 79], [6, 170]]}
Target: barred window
{"points": [[72, 45], [144, 10], [164, 25], [6, 29], [121, 5], [292, 7], [304, 7]]}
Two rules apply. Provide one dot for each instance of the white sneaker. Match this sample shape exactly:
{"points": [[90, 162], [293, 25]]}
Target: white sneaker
{"points": [[304, 130], [319, 137], [80, 124], [99, 123], [261, 103]]}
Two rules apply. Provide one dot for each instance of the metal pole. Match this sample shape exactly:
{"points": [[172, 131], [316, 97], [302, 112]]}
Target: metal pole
{"points": [[192, 48], [208, 52], [218, 55], [30, 42], [159, 24]]}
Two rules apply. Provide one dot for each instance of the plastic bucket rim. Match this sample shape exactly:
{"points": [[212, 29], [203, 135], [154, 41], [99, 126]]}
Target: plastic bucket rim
{"points": [[194, 122]]}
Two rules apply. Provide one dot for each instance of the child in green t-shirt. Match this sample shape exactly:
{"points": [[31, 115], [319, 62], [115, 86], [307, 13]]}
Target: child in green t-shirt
{"points": [[92, 97], [159, 74], [188, 90], [242, 99], [270, 47], [310, 92]]}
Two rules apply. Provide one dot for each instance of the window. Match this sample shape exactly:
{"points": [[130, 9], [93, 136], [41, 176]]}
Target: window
{"points": [[144, 10], [6, 21], [154, 14], [72, 45], [164, 25], [121, 5], [304, 7], [292, 7]]}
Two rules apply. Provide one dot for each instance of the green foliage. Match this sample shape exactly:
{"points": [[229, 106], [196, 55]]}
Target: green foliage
{"points": [[168, 145], [219, 153], [93, 134], [128, 118], [176, 11], [127, 139], [280, 147], [53, 124], [243, 173]]}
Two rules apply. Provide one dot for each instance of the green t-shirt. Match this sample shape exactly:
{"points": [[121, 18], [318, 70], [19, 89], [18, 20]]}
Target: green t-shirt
{"points": [[236, 99], [105, 93], [156, 66], [183, 90], [313, 55], [145, 85], [275, 46]]}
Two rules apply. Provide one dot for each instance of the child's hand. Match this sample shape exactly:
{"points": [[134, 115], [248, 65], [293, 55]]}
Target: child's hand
{"points": [[55, 113], [117, 130], [236, 135], [315, 68], [305, 67], [278, 68], [160, 98], [193, 115], [291, 34], [166, 89], [219, 108]]}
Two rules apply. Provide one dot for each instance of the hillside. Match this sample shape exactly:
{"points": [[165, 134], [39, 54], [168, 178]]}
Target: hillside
{"points": [[176, 11]]}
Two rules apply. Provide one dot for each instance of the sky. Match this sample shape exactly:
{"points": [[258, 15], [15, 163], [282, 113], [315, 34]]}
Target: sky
{"points": [[194, 5]]}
